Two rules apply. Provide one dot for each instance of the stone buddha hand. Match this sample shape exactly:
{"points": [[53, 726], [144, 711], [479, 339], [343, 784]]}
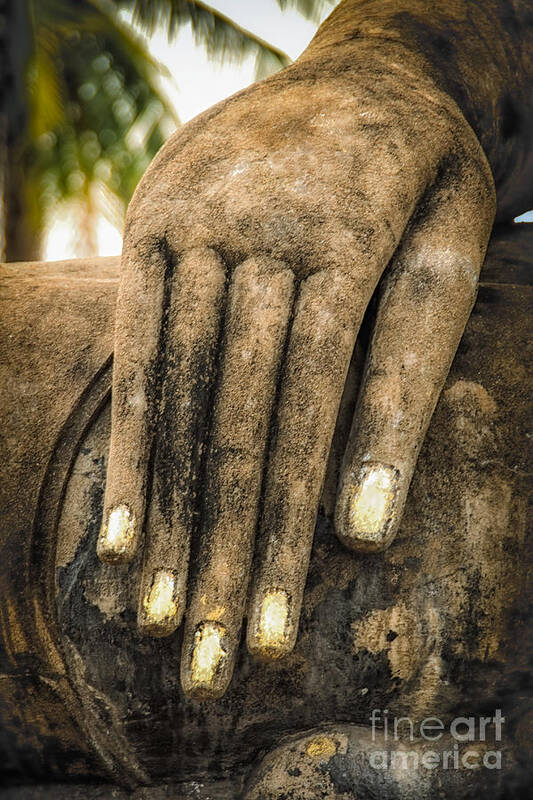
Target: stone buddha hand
{"points": [[253, 249]]}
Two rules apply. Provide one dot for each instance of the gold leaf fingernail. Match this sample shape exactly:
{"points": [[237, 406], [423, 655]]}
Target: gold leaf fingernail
{"points": [[208, 654], [159, 603], [273, 620], [372, 502], [116, 538]]}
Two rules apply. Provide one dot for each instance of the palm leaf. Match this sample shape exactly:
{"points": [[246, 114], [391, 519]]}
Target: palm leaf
{"points": [[310, 9], [107, 88], [221, 36], [44, 85]]}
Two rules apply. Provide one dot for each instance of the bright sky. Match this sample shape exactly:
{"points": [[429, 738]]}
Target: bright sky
{"points": [[196, 83]]}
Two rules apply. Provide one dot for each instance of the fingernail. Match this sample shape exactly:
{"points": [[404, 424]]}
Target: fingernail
{"points": [[116, 541], [273, 623], [160, 605], [371, 502], [208, 655]]}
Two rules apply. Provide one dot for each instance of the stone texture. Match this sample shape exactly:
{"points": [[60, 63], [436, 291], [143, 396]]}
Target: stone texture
{"points": [[439, 624], [253, 249]]}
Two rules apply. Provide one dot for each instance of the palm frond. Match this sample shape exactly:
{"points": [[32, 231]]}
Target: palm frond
{"points": [[310, 9], [266, 63], [45, 85], [222, 37], [60, 15], [108, 89]]}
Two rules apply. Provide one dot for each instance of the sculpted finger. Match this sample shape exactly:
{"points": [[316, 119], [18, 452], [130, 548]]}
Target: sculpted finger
{"points": [[427, 298], [140, 303], [259, 306], [193, 318], [327, 316]]}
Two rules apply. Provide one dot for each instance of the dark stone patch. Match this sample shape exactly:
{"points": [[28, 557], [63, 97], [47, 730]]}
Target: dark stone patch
{"points": [[511, 123]]}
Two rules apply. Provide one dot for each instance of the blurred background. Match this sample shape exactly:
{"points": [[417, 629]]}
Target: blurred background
{"points": [[92, 88]]}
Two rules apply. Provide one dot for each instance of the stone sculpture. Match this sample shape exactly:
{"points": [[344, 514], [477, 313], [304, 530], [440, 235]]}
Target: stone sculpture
{"points": [[371, 168]]}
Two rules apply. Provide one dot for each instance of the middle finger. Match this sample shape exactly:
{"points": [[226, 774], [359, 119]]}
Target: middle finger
{"points": [[260, 301]]}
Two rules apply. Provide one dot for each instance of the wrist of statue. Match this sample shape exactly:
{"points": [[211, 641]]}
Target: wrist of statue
{"points": [[471, 53]]}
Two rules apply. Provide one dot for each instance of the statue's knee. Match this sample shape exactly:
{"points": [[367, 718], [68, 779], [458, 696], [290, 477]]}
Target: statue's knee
{"points": [[353, 761], [329, 763]]}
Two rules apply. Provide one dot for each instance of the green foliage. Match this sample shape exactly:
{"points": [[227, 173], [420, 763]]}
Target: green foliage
{"points": [[310, 9], [96, 114]]}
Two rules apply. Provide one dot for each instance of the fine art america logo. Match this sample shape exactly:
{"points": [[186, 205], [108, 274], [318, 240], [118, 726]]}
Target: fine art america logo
{"points": [[462, 743]]}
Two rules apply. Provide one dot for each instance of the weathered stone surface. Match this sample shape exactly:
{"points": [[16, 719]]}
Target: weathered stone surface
{"points": [[253, 247], [437, 625], [353, 165]]}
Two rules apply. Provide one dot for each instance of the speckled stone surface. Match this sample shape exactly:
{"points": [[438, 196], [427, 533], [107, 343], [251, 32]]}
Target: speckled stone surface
{"points": [[336, 214], [438, 625]]}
